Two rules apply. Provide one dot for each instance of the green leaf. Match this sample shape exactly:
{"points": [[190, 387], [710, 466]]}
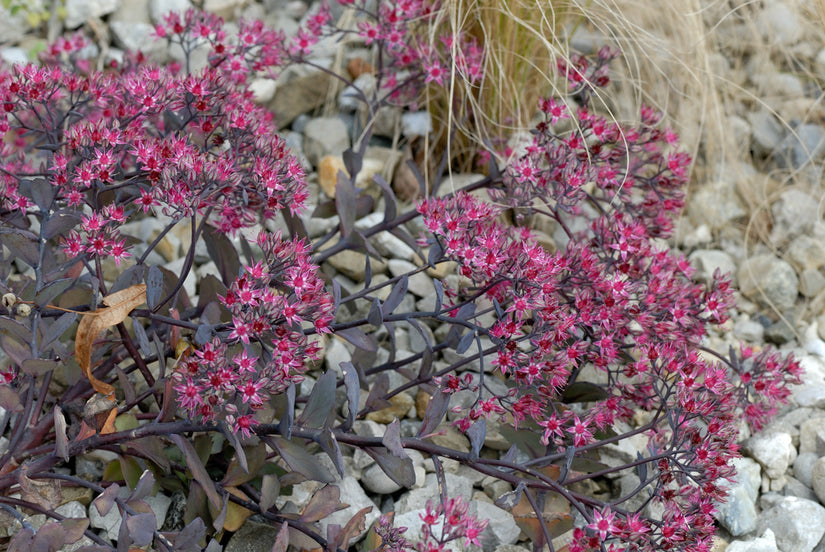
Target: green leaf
{"points": [[131, 470]]}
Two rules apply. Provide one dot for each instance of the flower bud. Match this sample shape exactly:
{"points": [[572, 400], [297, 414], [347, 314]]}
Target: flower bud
{"points": [[23, 310], [9, 300]]}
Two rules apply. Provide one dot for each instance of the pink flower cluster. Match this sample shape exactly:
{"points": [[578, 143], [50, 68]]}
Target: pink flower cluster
{"points": [[267, 347], [185, 145], [447, 521], [136, 140], [441, 523], [411, 61], [611, 303]]}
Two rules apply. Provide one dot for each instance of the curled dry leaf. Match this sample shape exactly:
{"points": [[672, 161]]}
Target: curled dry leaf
{"points": [[118, 307]]}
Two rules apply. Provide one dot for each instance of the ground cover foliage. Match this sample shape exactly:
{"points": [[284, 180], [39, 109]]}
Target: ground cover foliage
{"points": [[597, 341]]}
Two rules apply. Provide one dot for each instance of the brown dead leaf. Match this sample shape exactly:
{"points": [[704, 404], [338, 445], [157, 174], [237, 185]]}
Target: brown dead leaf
{"points": [[85, 432], [119, 305], [109, 423]]}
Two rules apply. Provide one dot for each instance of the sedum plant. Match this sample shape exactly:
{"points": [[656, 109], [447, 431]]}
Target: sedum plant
{"points": [[566, 352]]}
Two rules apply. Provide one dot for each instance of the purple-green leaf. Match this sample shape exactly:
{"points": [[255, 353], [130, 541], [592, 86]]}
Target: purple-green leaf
{"points": [[329, 445], [392, 439], [477, 433], [320, 409], [281, 539], [141, 528], [197, 468], [436, 409], [53, 331], [270, 490], [400, 470], [353, 387], [61, 440], [104, 502], [324, 502], [52, 290], [301, 461], [223, 253], [154, 286], [396, 295], [357, 337], [18, 352]]}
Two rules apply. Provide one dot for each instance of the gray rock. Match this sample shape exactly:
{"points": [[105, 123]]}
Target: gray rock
{"points": [[818, 478], [417, 341], [388, 245], [416, 123], [780, 25], [741, 131], [769, 280], [510, 548], [778, 85], [806, 252], [297, 93], [353, 264], [501, 527], [715, 205], [12, 27], [252, 537], [707, 261], [159, 9], [263, 90], [419, 284], [820, 62], [794, 487], [738, 513], [412, 521], [387, 121], [132, 27], [765, 543], [797, 149], [748, 330], [375, 480], [494, 487], [14, 56], [349, 99], [779, 333], [223, 8], [794, 213], [797, 523], [767, 132], [774, 451], [812, 395], [803, 467], [135, 36], [336, 353], [325, 136], [417, 498], [73, 509], [811, 434], [811, 282], [78, 11]]}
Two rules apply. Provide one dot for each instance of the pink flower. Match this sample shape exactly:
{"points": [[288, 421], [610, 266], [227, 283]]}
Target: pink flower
{"points": [[603, 522]]}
